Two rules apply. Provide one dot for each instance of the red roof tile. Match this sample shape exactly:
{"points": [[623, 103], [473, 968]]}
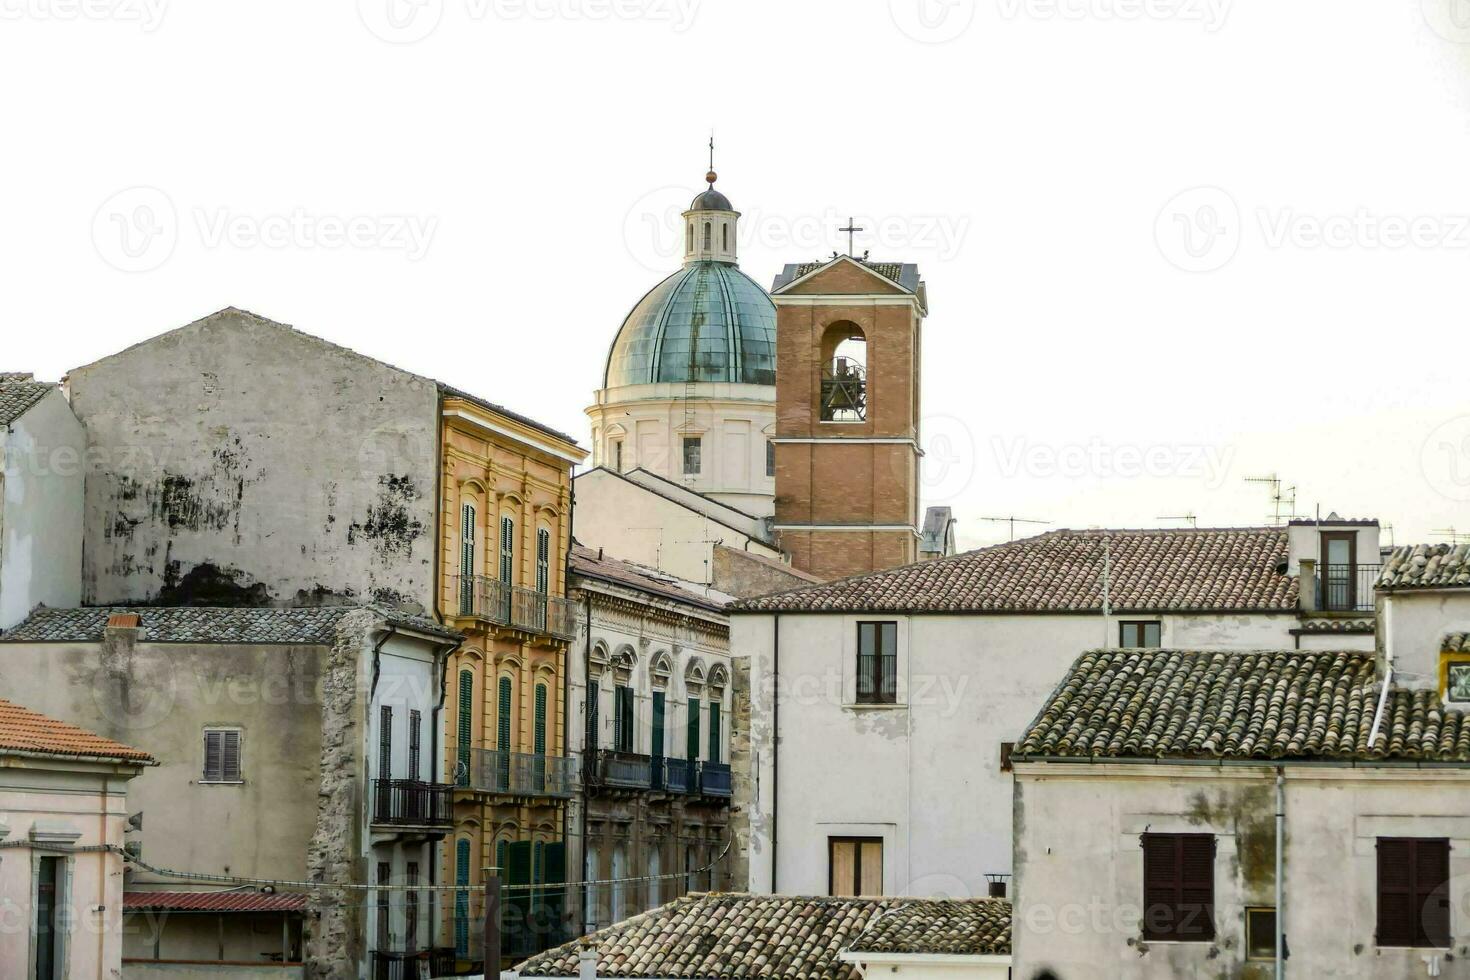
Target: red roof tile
{"points": [[234, 901], [24, 730]]}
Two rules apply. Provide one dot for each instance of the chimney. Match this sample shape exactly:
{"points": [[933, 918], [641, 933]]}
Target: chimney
{"points": [[587, 963], [120, 634], [1307, 584]]}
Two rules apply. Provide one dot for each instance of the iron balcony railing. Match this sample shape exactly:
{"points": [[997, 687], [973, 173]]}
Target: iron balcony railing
{"points": [[621, 770], [678, 775], [386, 965], [714, 779], [1347, 588], [515, 773], [510, 605], [412, 803]]}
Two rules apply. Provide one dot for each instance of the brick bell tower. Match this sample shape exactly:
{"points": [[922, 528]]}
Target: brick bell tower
{"points": [[847, 414]]}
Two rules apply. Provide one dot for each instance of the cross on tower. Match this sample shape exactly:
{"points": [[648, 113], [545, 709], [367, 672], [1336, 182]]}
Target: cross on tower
{"points": [[850, 229]]}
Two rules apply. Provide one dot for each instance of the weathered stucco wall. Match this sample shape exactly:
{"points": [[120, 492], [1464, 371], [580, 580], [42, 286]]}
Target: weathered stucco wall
{"points": [[42, 455], [1415, 624], [925, 774], [238, 461], [1079, 867]]}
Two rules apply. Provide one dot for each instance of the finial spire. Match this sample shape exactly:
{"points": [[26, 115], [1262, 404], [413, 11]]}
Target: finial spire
{"points": [[711, 176], [851, 229]]}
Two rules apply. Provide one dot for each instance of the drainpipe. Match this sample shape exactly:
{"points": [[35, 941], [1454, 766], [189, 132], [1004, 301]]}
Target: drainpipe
{"points": [[1387, 669], [1280, 883], [775, 744], [442, 658]]}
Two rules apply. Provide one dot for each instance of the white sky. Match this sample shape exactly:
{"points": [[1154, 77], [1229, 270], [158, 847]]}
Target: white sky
{"points": [[516, 163]]}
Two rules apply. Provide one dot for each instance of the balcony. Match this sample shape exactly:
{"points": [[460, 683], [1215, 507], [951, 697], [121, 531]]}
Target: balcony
{"points": [[1347, 588], [384, 965], [621, 771], [714, 779], [412, 803], [515, 773], [678, 775], [494, 601]]}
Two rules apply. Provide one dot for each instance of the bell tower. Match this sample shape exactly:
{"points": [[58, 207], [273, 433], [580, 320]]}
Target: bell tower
{"points": [[847, 413]]}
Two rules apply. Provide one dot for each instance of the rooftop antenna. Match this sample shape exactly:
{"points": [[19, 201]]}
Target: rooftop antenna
{"points": [[1190, 517], [1013, 521], [1456, 537], [1279, 496], [851, 229]]}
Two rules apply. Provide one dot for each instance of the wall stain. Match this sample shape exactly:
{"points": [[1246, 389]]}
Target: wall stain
{"points": [[388, 524], [207, 584]]}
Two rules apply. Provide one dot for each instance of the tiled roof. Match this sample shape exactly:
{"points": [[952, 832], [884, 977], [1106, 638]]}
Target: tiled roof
{"points": [[978, 926], [772, 936], [1427, 566], [905, 274], [18, 392], [592, 564], [24, 730], [1181, 569], [1271, 705], [206, 624], [1340, 626], [233, 901], [1456, 643]]}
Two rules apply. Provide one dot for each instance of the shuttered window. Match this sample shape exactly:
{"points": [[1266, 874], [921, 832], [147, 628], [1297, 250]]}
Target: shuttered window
{"points": [[1413, 897], [462, 897], [415, 737], [877, 663], [623, 727], [385, 933], [714, 731], [854, 866], [465, 726], [222, 756], [658, 724], [593, 694], [691, 746], [543, 560], [467, 559], [411, 908], [507, 550], [385, 742], [503, 735], [1179, 887]]}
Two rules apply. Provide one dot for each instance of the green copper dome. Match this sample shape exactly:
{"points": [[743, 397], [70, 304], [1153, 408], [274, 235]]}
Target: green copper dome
{"points": [[707, 322]]}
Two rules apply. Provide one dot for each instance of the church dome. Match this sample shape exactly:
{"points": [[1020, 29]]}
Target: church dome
{"points": [[707, 322], [711, 200]]}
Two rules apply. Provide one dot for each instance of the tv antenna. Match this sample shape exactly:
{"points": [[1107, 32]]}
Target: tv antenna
{"points": [[1280, 496], [1190, 517], [1013, 521], [1456, 537]]}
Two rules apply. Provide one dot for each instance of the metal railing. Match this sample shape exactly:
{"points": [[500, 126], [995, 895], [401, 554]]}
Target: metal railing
{"points": [[511, 605], [678, 775], [1346, 588], [515, 773], [389, 965], [714, 779], [412, 803], [621, 770]]}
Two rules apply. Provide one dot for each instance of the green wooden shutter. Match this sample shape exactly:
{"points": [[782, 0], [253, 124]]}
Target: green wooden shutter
{"points": [[466, 727], [692, 746], [462, 897], [507, 550], [543, 560], [556, 898], [714, 731], [517, 901], [539, 774], [467, 559], [593, 722], [658, 723], [502, 734]]}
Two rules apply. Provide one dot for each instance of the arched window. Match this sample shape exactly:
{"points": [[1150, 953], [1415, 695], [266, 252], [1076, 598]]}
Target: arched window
{"points": [[706, 236], [465, 725], [507, 550], [844, 373], [689, 237], [725, 236], [467, 560]]}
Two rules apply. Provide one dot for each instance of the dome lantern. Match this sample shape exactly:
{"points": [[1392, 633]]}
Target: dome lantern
{"points": [[710, 226]]}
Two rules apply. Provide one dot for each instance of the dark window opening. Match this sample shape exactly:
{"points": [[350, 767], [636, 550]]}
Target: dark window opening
{"points": [[1260, 934], [693, 445], [1140, 634], [1179, 887], [1413, 893], [877, 663]]}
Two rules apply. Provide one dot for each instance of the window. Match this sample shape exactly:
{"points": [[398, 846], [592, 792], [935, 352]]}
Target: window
{"points": [[689, 237], [1139, 634], [623, 718], [593, 693], [414, 746], [877, 663], [502, 734], [385, 742], [1260, 934], [714, 731], [538, 746], [1005, 755], [844, 373], [854, 866], [462, 897], [507, 550], [49, 924], [467, 559], [1339, 579], [1179, 887], [691, 746], [692, 447], [725, 236], [617, 455], [770, 458], [465, 727], [222, 756], [385, 935], [411, 908], [1413, 897], [543, 560], [658, 725], [1457, 680], [706, 248]]}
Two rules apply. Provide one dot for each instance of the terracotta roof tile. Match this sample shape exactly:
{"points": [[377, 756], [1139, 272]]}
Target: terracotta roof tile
{"points": [[790, 937], [1427, 566], [232, 901], [1162, 570], [585, 561], [1213, 705], [205, 624], [1456, 643], [24, 730], [1339, 625], [18, 392]]}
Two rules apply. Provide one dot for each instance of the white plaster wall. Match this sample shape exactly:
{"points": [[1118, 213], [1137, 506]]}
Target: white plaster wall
{"points": [[1079, 866], [1305, 541], [1415, 623], [735, 422], [925, 774], [42, 460], [936, 968], [408, 680]]}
